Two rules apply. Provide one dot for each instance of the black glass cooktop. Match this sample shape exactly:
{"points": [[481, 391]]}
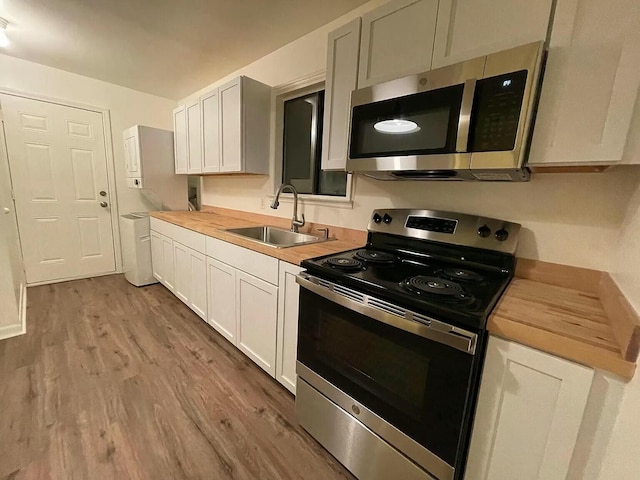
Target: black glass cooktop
{"points": [[449, 289]]}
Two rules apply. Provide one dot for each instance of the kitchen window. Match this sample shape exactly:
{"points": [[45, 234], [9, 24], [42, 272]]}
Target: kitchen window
{"points": [[299, 148]]}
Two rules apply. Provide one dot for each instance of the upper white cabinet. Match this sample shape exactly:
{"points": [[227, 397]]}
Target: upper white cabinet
{"points": [[226, 130], [590, 86], [342, 77], [210, 109], [287, 337], [194, 138], [397, 40], [529, 413], [472, 28], [180, 139]]}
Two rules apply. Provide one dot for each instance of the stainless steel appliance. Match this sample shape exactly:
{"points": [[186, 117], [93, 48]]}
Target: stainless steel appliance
{"points": [[468, 121], [391, 341]]}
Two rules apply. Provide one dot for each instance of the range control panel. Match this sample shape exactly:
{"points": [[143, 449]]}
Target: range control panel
{"points": [[448, 227]]}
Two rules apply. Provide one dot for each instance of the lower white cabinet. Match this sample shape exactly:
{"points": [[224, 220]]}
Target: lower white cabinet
{"points": [[257, 315], [221, 292], [287, 337], [190, 278], [181, 268], [529, 413], [162, 259]]}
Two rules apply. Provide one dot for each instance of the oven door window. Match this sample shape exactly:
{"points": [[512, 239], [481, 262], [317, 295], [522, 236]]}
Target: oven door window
{"points": [[419, 124], [418, 385]]}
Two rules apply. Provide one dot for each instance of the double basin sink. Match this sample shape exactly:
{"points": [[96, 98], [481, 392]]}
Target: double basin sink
{"points": [[275, 237]]}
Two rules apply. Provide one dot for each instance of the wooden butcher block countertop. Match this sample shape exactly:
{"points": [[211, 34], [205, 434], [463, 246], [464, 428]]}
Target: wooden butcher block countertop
{"points": [[571, 312], [214, 221]]}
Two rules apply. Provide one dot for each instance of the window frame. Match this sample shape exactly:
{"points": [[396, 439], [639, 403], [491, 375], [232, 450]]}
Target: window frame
{"points": [[304, 86]]}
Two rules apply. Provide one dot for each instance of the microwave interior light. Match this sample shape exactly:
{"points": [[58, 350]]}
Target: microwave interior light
{"points": [[396, 126]]}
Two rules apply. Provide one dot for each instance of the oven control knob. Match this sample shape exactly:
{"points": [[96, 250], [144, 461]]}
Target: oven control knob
{"points": [[484, 231], [386, 218], [377, 218], [502, 235]]}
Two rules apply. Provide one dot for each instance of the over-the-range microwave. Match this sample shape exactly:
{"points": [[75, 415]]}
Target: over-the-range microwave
{"points": [[468, 121]]}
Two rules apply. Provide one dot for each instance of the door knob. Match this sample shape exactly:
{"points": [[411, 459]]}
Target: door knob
{"points": [[104, 204], [6, 211], [103, 193]]}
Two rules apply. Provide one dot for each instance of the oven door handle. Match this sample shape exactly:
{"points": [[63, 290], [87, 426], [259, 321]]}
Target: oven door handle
{"points": [[464, 120], [390, 314]]}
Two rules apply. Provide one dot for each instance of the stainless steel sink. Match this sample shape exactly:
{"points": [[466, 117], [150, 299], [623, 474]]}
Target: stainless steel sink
{"points": [[275, 237]]}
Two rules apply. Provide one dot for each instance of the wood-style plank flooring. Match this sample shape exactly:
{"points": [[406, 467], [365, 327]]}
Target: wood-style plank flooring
{"points": [[116, 382]]}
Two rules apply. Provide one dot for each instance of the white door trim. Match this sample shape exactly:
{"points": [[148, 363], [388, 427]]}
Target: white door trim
{"points": [[111, 166]]}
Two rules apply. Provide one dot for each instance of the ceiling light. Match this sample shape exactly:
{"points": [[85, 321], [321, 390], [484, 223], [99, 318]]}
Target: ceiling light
{"points": [[396, 126], [4, 40]]}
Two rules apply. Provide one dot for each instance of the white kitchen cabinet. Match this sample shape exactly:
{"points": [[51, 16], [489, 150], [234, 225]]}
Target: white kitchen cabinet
{"points": [[221, 292], [182, 271], [342, 78], [590, 86], [157, 256], [529, 413], [397, 40], [287, 337], [210, 111], [190, 278], [132, 152], [180, 139], [474, 28], [257, 316], [168, 266], [194, 138]]}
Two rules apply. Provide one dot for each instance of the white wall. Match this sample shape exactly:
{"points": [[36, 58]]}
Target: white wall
{"points": [[570, 219], [127, 107]]}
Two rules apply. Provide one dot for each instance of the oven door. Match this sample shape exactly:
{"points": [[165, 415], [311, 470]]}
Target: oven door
{"points": [[413, 379]]}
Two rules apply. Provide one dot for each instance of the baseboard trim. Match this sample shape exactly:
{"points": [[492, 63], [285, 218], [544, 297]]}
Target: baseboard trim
{"points": [[15, 330]]}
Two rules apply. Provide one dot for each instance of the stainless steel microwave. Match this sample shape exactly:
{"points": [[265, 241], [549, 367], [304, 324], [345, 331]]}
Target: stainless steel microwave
{"points": [[468, 121]]}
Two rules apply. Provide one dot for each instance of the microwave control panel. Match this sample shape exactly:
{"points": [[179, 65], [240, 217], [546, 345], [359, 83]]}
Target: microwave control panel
{"points": [[496, 106]]}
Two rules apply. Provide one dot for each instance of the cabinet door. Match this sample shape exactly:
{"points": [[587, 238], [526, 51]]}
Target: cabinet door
{"points": [[209, 105], [256, 310], [182, 268], [397, 40], [529, 413], [198, 279], [221, 293], [478, 27], [342, 78], [231, 126], [157, 256], [194, 138], [590, 86], [132, 152], [168, 270], [180, 139], [287, 338]]}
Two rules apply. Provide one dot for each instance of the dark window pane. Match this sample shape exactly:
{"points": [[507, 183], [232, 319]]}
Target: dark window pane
{"points": [[332, 183]]}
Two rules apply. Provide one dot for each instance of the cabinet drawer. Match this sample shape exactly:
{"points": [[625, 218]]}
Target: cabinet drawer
{"points": [[254, 263], [187, 237]]}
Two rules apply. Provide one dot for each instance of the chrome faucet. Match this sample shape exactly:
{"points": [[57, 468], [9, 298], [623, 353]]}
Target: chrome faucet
{"points": [[295, 223]]}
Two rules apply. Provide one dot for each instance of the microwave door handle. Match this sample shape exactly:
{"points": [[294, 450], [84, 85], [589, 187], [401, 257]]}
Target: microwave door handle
{"points": [[464, 120]]}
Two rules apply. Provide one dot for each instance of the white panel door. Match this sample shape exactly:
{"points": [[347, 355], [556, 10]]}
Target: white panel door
{"points": [[529, 413], [198, 278], [472, 28], [194, 138], [221, 288], [182, 269], [157, 256], [397, 40], [168, 267], [180, 139], [231, 126], [342, 78], [287, 336], [59, 169], [12, 278], [132, 152], [256, 310], [210, 107]]}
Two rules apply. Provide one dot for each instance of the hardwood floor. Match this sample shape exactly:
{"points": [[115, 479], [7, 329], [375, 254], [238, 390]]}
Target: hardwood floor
{"points": [[116, 382]]}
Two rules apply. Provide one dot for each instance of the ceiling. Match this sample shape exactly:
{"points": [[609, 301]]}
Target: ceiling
{"points": [[169, 48]]}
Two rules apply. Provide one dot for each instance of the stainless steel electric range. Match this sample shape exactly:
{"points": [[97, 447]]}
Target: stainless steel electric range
{"points": [[391, 341]]}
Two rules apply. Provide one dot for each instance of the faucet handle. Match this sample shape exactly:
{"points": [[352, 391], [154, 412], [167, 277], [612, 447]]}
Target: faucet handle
{"points": [[298, 223], [325, 232]]}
